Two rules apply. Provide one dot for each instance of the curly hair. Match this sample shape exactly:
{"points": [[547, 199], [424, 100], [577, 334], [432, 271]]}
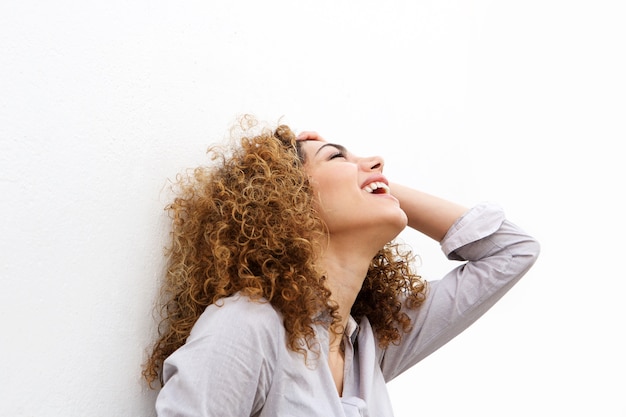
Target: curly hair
{"points": [[247, 224]]}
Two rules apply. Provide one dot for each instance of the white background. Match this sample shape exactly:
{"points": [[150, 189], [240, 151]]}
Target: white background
{"points": [[520, 103]]}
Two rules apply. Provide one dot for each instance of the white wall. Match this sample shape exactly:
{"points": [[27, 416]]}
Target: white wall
{"points": [[521, 103]]}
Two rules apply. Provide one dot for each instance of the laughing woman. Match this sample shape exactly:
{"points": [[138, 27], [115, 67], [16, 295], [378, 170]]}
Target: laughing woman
{"points": [[286, 294]]}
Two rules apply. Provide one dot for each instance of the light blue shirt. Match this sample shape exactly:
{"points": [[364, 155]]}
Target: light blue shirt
{"points": [[235, 362]]}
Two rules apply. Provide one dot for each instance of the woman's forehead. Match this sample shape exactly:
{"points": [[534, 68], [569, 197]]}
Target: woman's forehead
{"points": [[311, 146], [313, 143], [315, 146]]}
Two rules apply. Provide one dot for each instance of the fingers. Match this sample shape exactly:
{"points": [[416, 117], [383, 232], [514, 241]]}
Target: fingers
{"points": [[308, 135]]}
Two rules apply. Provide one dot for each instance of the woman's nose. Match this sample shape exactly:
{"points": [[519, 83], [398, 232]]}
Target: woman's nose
{"points": [[374, 163]]}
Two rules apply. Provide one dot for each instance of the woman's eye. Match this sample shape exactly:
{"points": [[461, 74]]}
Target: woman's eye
{"points": [[337, 155]]}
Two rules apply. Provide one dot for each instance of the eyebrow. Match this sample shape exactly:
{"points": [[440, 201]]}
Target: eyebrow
{"points": [[334, 145]]}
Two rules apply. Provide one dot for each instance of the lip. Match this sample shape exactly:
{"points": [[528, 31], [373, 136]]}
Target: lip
{"points": [[375, 178], [378, 178]]}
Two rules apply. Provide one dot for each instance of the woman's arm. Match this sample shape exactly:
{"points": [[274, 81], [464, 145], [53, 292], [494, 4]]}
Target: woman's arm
{"points": [[495, 255], [427, 214]]}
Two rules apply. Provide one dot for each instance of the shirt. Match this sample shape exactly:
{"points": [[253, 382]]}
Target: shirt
{"points": [[235, 362]]}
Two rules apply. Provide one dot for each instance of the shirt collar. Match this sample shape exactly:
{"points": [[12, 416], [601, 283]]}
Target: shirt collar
{"points": [[352, 329]]}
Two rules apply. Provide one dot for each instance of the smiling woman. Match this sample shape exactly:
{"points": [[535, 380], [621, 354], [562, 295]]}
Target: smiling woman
{"points": [[344, 185], [286, 294]]}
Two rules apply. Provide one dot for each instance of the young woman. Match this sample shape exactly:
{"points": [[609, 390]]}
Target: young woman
{"points": [[286, 295]]}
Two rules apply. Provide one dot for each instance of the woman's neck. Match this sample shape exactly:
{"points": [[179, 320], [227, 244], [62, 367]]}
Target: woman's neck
{"points": [[345, 272]]}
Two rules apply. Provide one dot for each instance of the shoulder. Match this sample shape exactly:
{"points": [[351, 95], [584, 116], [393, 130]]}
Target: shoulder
{"points": [[231, 354], [239, 317]]}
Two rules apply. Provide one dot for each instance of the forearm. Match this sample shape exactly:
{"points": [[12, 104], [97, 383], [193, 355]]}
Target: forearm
{"points": [[428, 214]]}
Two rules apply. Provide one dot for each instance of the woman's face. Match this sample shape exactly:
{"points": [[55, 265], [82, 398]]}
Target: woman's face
{"points": [[352, 193]]}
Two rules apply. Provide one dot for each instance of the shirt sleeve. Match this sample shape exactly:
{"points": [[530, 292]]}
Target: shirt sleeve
{"points": [[496, 254], [225, 368]]}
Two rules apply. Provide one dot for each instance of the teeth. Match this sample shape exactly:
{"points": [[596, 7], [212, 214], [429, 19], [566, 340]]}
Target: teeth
{"points": [[376, 185]]}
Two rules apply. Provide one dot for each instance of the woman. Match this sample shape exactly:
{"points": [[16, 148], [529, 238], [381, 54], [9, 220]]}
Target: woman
{"points": [[286, 295]]}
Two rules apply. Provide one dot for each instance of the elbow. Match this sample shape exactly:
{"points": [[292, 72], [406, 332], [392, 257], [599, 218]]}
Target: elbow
{"points": [[528, 253], [534, 249]]}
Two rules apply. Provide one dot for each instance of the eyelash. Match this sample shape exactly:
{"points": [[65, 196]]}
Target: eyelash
{"points": [[337, 155]]}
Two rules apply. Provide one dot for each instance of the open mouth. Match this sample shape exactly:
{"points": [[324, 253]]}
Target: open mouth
{"points": [[377, 187]]}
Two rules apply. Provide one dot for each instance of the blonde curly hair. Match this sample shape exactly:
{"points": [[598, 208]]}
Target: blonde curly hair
{"points": [[247, 224]]}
